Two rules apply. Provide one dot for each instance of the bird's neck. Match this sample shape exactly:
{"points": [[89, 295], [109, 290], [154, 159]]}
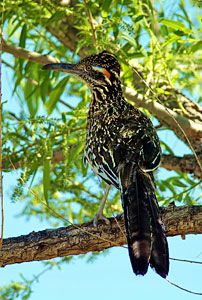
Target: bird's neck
{"points": [[107, 97]]}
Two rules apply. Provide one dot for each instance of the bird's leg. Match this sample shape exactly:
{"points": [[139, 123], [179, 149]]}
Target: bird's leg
{"points": [[99, 215]]}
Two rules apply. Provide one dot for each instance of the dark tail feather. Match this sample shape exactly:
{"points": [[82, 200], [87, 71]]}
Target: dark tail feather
{"points": [[160, 255], [147, 242]]}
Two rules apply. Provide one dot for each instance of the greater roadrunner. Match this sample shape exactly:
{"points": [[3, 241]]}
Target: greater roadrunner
{"points": [[123, 148]]}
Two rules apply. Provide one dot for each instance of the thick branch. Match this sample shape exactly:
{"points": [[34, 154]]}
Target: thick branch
{"points": [[80, 239], [67, 37], [187, 164], [68, 41], [167, 116], [33, 56]]}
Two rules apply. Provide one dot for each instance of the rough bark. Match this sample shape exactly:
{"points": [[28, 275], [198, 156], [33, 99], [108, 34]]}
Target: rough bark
{"points": [[33, 56], [80, 239], [187, 164], [185, 128]]}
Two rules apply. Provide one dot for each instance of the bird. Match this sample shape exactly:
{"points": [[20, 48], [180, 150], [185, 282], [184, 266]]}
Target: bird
{"points": [[123, 148]]}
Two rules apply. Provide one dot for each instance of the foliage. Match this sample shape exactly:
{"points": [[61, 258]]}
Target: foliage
{"points": [[47, 112]]}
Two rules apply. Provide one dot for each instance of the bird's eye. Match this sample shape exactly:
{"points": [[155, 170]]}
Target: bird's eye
{"points": [[88, 68]]}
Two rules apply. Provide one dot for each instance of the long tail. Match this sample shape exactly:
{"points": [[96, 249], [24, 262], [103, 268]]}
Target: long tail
{"points": [[147, 243]]}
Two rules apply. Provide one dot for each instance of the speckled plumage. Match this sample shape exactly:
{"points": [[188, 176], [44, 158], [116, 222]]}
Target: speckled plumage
{"points": [[115, 131], [123, 148]]}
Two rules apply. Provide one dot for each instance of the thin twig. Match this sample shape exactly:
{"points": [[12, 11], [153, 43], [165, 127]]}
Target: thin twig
{"points": [[12, 114], [186, 260], [66, 104], [183, 192], [36, 277], [183, 289]]}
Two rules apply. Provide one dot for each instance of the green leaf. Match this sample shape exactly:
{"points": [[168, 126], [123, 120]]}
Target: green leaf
{"points": [[55, 95], [161, 91], [64, 119], [131, 40], [197, 46], [70, 213], [23, 35], [45, 87], [178, 182], [57, 16], [46, 178], [173, 38], [166, 148], [139, 18], [105, 8], [76, 150], [176, 25], [13, 29], [30, 95], [84, 168]]}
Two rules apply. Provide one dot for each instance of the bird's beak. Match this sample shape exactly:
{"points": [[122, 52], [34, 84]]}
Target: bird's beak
{"points": [[67, 68]]}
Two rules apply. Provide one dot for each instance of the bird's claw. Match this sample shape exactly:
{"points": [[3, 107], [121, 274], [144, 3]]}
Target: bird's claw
{"points": [[99, 217]]}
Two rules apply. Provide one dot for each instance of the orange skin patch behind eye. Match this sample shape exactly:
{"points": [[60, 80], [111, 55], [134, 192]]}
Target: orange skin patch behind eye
{"points": [[107, 74]]}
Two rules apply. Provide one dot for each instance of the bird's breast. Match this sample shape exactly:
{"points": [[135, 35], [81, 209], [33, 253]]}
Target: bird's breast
{"points": [[99, 150]]}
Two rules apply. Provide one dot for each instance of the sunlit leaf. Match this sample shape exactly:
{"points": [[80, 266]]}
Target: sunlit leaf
{"points": [[23, 35], [106, 8], [177, 25], [55, 95]]}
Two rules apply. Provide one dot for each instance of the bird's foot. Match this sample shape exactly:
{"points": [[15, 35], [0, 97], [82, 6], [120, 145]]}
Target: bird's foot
{"points": [[99, 217]]}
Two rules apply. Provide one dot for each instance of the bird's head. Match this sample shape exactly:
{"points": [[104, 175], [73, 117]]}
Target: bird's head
{"points": [[95, 70]]}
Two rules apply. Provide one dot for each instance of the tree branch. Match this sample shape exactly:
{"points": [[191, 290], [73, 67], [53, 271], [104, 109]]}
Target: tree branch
{"points": [[80, 239], [33, 56], [167, 116], [187, 164]]}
